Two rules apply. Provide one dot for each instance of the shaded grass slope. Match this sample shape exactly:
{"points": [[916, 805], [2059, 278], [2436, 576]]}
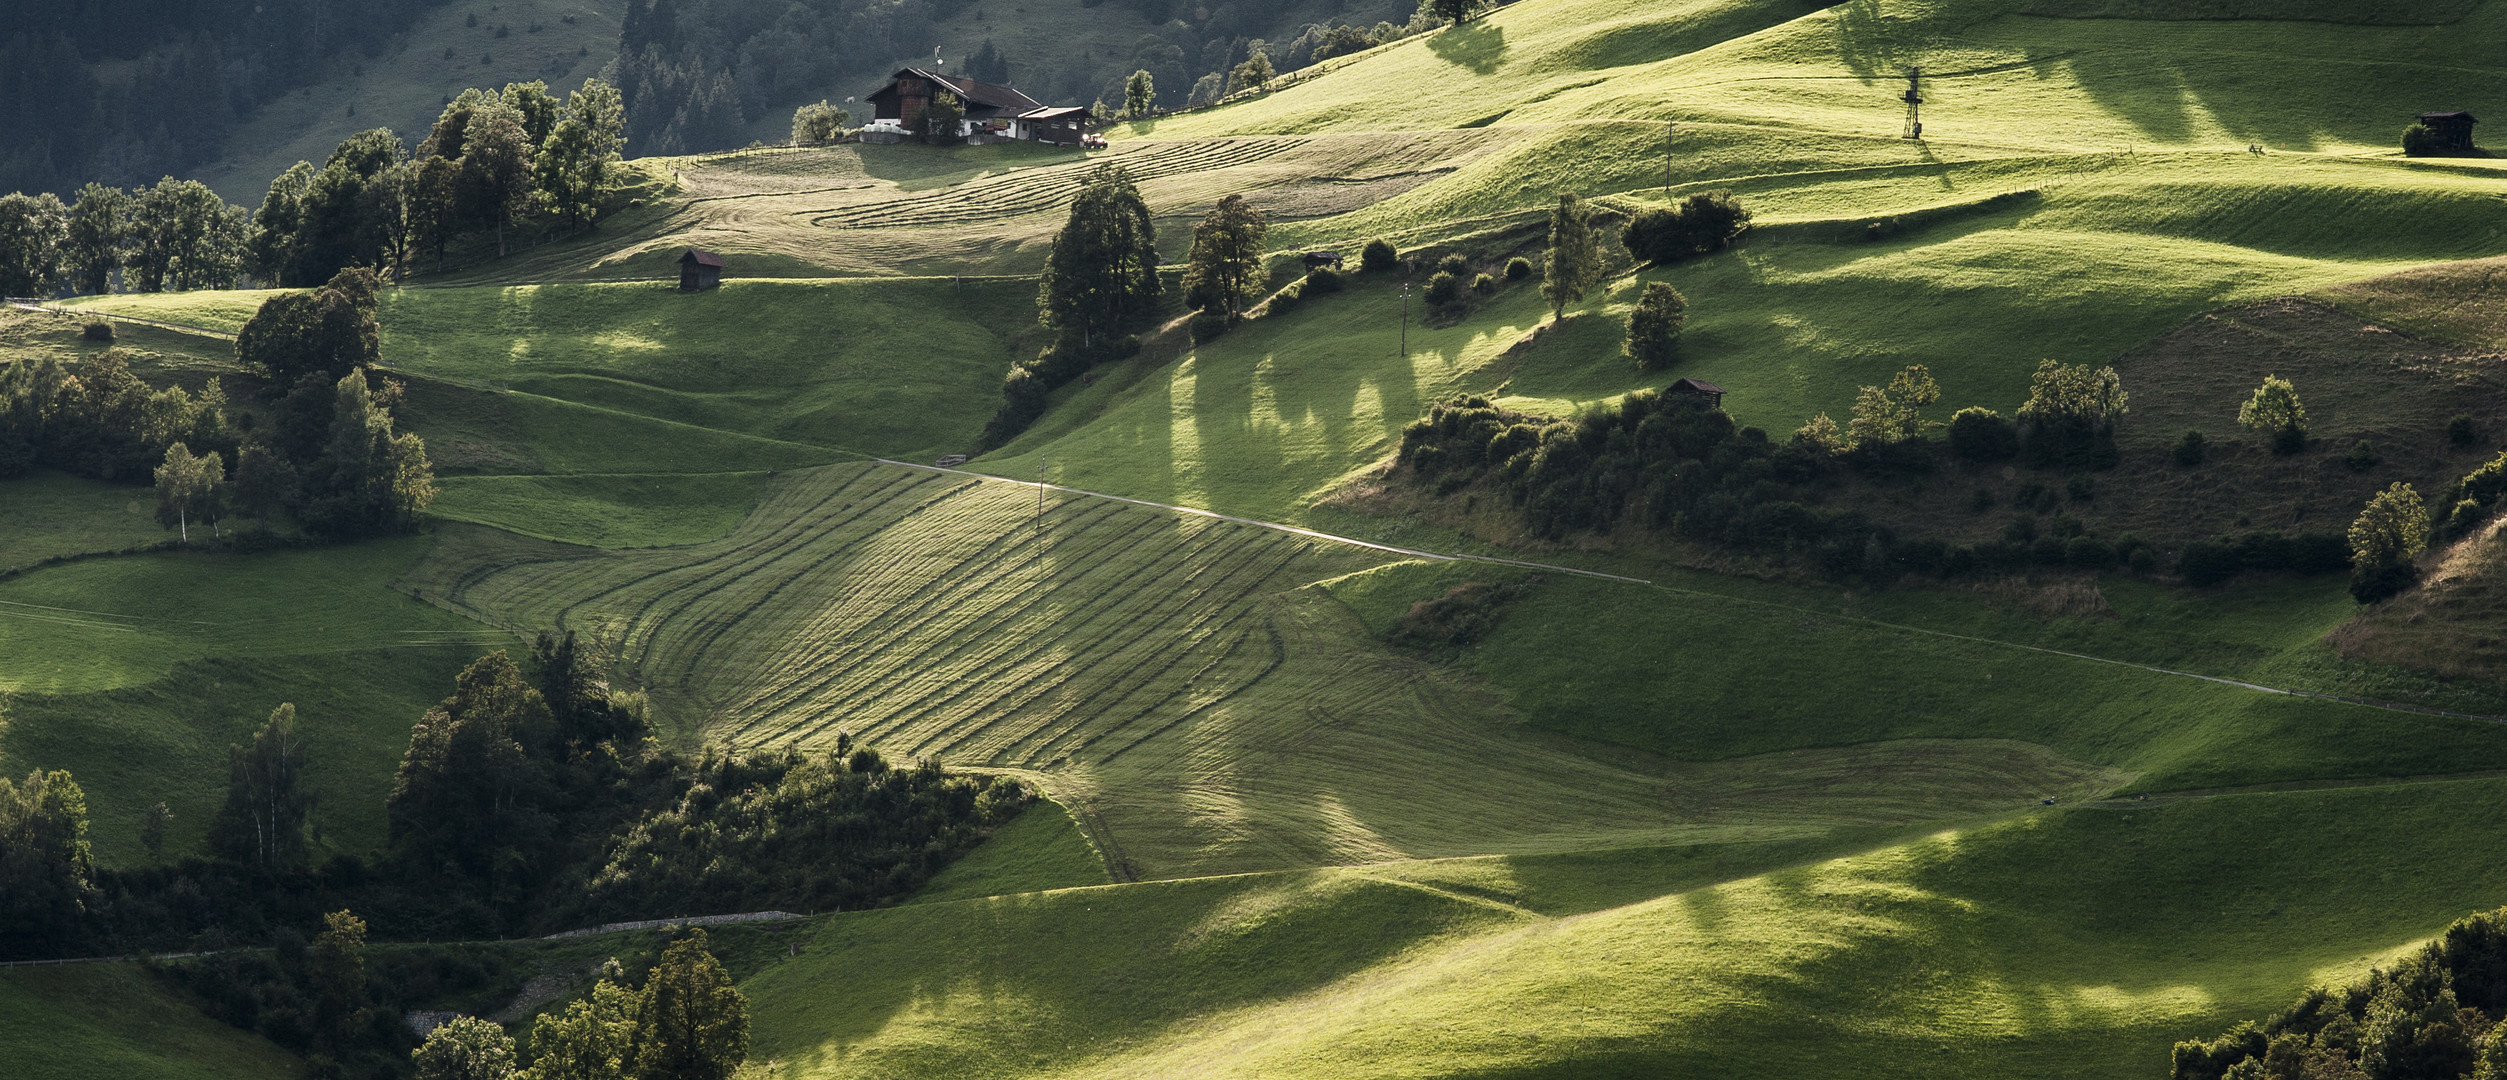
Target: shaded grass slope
{"points": [[116, 1021], [2066, 943]]}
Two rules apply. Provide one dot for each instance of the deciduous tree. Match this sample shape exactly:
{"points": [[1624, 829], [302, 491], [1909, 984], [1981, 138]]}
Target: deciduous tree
{"points": [[1140, 95], [818, 122], [1654, 327], [2390, 532], [187, 486], [1225, 266], [1894, 414], [262, 823], [465, 1048], [465, 804], [99, 232], [593, 1039], [692, 1024], [45, 864], [2070, 415], [1102, 276], [496, 168], [2275, 411], [1574, 262], [33, 229]]}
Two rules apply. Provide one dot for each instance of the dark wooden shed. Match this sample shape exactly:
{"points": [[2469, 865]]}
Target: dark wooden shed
{"points": [[1713, 394], [1318, 259], [699, 270], [2451, 132]]}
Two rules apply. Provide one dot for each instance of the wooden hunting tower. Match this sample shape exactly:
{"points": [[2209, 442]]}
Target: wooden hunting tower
{"points": [[1914, 98], [2450, 132]]}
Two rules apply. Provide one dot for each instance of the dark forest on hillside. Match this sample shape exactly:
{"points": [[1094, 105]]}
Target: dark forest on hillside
{"points": [[123, 91]]}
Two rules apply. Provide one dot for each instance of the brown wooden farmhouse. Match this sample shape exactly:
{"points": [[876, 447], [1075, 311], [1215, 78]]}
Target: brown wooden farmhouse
{"points": [[992, 112]]}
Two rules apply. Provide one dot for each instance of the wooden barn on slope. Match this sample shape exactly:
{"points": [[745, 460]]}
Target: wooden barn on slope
{"points": [[2450, 131], [699, 271]]}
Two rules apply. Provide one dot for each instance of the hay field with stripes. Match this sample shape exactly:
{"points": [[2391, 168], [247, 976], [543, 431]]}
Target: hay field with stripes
{"points": [[1178, 681]]}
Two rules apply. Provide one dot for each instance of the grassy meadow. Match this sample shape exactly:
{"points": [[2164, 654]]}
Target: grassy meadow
{"points": [[1711, 824]]}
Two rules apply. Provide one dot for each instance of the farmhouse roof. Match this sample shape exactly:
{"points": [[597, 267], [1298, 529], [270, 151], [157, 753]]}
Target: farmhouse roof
{"points": [[701, 258], [1696, 386], [2458, 115], [998, 98]]}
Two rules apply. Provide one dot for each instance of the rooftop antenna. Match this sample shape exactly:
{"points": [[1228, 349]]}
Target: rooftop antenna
{"points": [[1914, 103]]}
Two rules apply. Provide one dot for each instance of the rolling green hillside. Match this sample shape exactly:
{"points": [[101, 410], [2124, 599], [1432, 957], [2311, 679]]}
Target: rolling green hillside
{"points": [[1717, 820]]}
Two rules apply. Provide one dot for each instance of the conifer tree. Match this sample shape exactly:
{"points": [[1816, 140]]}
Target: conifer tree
{"points": [[1140, 95]]}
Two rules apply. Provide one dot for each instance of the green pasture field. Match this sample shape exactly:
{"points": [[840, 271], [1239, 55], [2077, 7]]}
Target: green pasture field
{"points": [[115, 1020], [821, 363], [48, 515], [136, 672], [610, 511], [223, 311], [1173, 680], [2060, 943], [1040, 850]]}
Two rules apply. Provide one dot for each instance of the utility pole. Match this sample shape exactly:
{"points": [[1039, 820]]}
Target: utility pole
{"points": [[1669, 130], [1405, 311]]}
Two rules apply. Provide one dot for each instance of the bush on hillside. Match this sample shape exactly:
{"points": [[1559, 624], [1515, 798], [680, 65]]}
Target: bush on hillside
{"points": [[2189, 449], [1454, 263], [2069, 419], [2362, 456], [1322, 280], [1981, 434], [2275, 411], [2385, 542], [1208, 323], [1485, 285], [2469, 501], [1443, 288], [1518, 268], [1378, 256], [2460, 430], [1458, 618], [2420, 141], [2089, 553], [2204, 563], [1709, 221], [98, 331]]}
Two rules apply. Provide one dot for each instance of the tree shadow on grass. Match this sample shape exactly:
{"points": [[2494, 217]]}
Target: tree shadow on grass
{"points": [[1479, 46]]}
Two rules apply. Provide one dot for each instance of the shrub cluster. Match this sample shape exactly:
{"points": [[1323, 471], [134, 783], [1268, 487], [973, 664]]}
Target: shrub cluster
{"points": [[2209, 562], [1458, 618], [1708, 221], [1679, 464], [784, 830], [101, 421], [2470, 501], [2434, 1016]]}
